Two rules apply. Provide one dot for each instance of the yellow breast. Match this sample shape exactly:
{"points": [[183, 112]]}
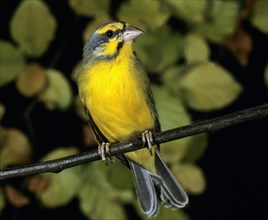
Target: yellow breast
{"points": [[115, 95]]}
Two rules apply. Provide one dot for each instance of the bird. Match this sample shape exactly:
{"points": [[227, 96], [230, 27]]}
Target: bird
{"points": [[114, 89]]}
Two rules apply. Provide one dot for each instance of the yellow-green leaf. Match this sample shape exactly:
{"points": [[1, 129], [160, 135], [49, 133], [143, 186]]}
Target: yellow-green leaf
{"points": [[58, 93], [167, 213], [207, 86], [98, 192], [92, 201], [221, 19], [171, 76], [190, 11], [31, 80], [172, 114], [122, 181], [90, 8], [190, 176], [62, 186], [33, 27], [196, 147], [164, 213], [195, 48], [15, 147], [146, 14], [11, 62], [155, 55], [260, 15]]}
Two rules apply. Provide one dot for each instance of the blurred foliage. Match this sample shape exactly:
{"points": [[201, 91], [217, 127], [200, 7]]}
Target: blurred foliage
{"points": [[178, 56], [33, 27], [205, 86], [90, 8], [147, 15], [61, 187], [11, 61], [153, 54], [58, 93], [259, 16]]}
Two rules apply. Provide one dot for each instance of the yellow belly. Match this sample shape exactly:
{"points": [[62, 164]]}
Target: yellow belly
{"points": [[115, 95], [119, 109]]}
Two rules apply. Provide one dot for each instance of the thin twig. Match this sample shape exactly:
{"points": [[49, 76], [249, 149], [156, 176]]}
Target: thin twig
{"points": [[210, 125]]}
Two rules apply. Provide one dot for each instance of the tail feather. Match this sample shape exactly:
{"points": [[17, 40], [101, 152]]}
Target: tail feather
{"points": [[151, 188], [145, 190], [171, 187]]}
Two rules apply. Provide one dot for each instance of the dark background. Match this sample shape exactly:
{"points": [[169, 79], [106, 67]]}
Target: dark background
{"points": [[235, 163]]}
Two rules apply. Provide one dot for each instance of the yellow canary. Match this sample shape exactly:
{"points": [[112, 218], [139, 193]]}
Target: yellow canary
{"points": [[114, 89]]}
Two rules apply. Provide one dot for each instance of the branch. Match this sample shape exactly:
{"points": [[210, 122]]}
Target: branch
{"points": [[210, 125]]}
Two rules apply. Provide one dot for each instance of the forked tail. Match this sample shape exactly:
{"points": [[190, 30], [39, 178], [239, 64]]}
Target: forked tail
{"points": [[152, 188]]}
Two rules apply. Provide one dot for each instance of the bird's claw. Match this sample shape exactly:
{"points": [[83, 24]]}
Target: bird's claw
{"points": [[147, 137], [104, 152]]}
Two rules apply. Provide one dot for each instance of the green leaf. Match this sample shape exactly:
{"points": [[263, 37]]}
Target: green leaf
{"points": [[164, 213], [62, 186], [122, 181], [190, 176], [11, 62], [93, 201], [15, 147], [98, 192], [90, 8], [259, 16], [172, 114], [207, 87], [58, 93], [154, 54], [94, 188], [167, 213], [196, 147], [171, 76], [146, 14], [33, 27], [190, 11], [195, 48], [221, 19]]}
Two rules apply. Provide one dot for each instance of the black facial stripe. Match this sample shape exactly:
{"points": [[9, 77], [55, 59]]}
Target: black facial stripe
{"points": [[124, 24], [119, 46]]}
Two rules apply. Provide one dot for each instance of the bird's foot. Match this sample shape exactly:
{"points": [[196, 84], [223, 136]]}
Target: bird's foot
{"points": [[104, 152], [147, 137]]}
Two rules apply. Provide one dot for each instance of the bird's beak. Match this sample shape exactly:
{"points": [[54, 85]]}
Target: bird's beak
{"points": [[130, 33]]}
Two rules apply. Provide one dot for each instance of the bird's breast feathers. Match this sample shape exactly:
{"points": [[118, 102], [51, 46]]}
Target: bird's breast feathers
{"points": [[115, 94]]}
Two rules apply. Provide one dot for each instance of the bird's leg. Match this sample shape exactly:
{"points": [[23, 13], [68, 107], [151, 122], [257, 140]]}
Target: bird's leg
{"points": [[104, 152], [147, 137]]}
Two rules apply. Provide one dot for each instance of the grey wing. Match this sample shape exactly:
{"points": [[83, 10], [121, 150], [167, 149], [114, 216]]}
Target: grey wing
{"points": [[151, 102], [149, 95]]}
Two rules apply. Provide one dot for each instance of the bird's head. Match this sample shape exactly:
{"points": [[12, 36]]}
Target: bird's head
{"points": [[107, 40]]}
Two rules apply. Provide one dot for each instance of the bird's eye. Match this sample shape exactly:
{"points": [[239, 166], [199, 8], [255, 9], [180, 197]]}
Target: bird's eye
{"points": [[110, 34]]}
